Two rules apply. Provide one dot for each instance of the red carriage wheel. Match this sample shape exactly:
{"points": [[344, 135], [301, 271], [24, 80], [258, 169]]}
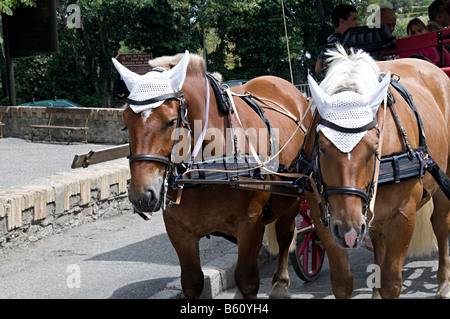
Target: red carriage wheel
{"points": [[307, 258]]}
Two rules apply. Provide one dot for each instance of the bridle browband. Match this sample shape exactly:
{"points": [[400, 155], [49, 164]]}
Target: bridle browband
{"points": [[155, 99], [342, 129]]}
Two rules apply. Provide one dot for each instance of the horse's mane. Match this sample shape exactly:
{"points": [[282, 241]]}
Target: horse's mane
{"points": [[196, 64], [350, 70]]}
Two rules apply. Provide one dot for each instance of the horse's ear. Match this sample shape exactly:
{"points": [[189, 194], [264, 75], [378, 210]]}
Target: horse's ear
{"points": [[177, 74], [378, 95], [129, 77], [318, 95]]}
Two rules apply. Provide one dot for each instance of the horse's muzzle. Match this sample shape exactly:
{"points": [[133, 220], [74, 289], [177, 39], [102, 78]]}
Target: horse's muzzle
{"points": [[348, 238], [146, 200]]}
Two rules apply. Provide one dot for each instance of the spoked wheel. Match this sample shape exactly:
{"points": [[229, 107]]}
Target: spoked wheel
{"points": [[307, 258]]}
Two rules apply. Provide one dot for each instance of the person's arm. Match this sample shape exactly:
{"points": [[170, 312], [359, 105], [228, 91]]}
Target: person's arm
{"points": [[319, 65]]}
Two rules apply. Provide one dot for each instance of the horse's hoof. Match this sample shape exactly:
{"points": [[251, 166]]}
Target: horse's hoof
{"points": [[280, 291], [376, 294], [444, 291], [238, 294]]}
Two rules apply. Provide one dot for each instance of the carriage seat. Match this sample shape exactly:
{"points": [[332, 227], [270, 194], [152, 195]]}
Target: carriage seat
{"points": [[371, 40]]}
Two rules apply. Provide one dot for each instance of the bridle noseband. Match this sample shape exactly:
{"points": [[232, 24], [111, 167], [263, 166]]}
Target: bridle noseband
{"points": [[148, 158]]}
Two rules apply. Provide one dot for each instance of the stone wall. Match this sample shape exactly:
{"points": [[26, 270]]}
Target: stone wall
{"points": [[63, 200], [105, 125]]}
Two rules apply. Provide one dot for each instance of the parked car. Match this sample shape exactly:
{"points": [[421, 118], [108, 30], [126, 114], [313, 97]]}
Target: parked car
{"points": [[232, 83], [56, 102]]}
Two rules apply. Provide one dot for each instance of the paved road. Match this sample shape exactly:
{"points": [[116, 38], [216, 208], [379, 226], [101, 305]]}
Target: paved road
{"points": [[23, 161], [419, 279], [117, 257]]}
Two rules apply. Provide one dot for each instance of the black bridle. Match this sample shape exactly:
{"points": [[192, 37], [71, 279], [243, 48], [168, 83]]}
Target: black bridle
{"points": [[166, 160], [181, 120], [326, 191]]}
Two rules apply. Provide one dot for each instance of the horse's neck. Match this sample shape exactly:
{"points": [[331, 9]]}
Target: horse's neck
{"points": [[195, 94]]}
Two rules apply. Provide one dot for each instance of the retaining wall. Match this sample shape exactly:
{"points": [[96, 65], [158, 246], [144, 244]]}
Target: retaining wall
{"points": [[68, 199], [105, 125], [63, 200]]}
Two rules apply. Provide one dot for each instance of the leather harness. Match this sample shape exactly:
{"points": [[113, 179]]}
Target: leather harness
{"points": [[393, 168]]}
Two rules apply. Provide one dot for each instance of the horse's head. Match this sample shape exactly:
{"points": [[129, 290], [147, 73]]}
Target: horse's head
{"points": [[151, 118], [347, 141]]}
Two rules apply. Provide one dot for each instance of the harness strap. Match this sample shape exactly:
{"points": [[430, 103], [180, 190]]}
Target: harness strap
{"points": [[409, 99], [222, 98], [201, 138], [272, 138], [402, 131], [439, 176]]}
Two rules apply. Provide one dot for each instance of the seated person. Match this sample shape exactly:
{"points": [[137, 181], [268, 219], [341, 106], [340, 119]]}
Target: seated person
{"points": [[343, 16], [415, 27]]}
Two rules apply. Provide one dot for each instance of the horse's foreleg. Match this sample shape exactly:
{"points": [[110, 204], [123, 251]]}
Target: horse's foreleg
{"points": [[340, 274], [187, 249], [249, 236], [390, 249], [246, 274], [441, 226], [285, 231]]}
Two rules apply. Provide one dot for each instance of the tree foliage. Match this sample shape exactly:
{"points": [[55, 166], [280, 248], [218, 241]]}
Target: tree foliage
{"points": [[7, 6], [245, 39]]}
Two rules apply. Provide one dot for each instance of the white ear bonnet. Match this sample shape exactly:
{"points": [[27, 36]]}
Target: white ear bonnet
{"points": [[154, 83], [348, 109]]}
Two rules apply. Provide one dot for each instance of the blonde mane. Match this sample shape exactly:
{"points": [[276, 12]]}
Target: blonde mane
{"points": [[356, 71], [196, 64]]}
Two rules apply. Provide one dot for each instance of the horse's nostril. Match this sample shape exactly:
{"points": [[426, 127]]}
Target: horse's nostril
{"points": [[145, 199], [335, 230], [363, 229], [149, 194]]}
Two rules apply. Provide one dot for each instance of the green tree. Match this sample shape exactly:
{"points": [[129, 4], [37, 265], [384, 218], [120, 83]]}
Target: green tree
{"points": [[104, 25], [165, 27], [251, 37], [7, 6], [83, 70]]}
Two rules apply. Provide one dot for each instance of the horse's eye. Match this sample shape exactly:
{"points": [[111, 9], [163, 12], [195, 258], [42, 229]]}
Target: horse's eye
{"points": [[322, 149], [172, 123]]}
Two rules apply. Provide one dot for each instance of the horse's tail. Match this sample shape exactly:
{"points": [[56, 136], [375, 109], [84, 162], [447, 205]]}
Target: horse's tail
{"points": [[270, 239], [423, 241]]}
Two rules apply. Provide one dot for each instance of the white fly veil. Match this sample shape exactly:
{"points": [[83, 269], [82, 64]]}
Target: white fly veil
{"points": [[154, 83], [347, 109]]}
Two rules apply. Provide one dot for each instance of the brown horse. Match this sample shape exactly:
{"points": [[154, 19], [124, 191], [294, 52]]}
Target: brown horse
{"points": [[203, 210], [347, 175]]}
